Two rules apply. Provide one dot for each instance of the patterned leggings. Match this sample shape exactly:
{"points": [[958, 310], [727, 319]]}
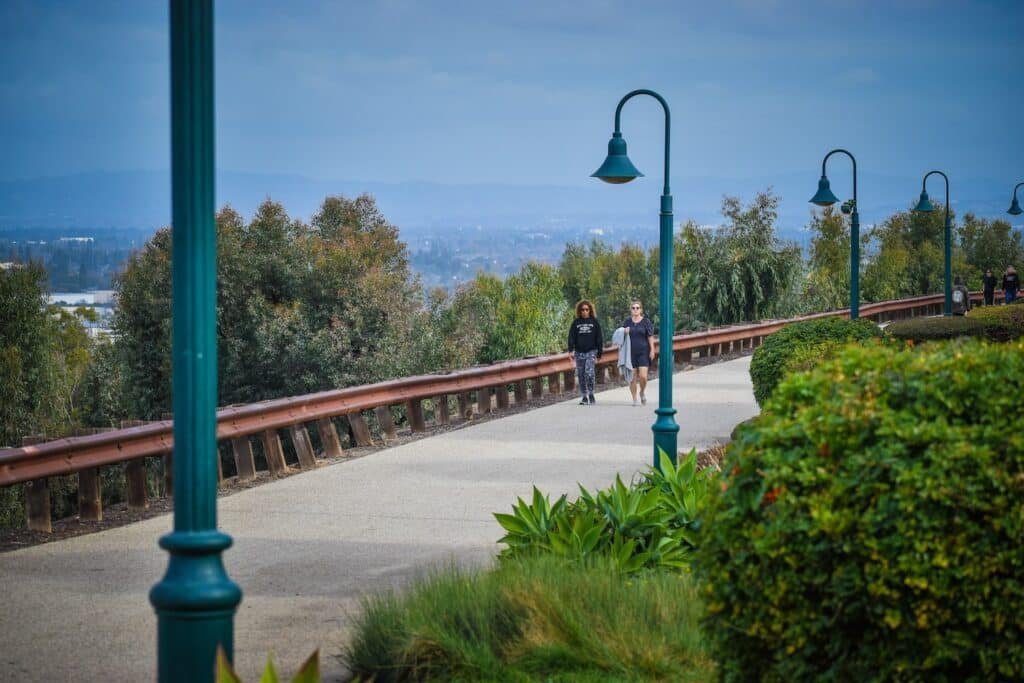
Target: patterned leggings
{"points": [[585, 372]]}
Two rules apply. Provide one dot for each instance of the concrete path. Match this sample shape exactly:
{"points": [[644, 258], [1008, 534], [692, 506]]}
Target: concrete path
{"points": [[307, 547]]}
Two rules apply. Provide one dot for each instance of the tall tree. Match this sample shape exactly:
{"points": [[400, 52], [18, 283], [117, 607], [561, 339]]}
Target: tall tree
{"points": [[740, 271]]}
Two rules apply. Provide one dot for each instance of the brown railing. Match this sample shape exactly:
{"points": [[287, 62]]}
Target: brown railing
{"points": [[364, 412]]}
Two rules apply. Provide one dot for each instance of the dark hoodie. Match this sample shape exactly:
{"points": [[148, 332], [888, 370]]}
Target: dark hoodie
{"points": [[585, 335]]}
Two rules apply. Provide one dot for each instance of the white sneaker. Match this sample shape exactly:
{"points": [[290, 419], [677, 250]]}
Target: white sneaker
{"points": [[635, 404], [643, 398]]}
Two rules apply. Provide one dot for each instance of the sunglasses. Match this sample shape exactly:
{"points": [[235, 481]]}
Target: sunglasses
{"points": [[634, 307]]}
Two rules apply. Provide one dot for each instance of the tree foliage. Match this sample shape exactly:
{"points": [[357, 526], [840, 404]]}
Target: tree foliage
{"points": [[740, 271]]}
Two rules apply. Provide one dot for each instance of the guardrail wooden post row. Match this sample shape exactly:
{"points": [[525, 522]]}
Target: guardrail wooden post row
{"points": [[37, 460]]}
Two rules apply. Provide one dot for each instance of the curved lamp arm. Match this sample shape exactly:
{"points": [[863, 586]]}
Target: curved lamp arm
{"points": [[664, 105], [854, 160], [1015, 189], [946, 178]]}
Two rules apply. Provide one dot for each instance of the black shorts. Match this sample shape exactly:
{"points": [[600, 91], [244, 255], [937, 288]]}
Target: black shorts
{"points": [[640, 359]]}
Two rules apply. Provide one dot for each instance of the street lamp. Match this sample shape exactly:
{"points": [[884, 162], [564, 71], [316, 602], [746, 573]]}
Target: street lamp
{"points": [[618, 169], [195, 602], [924, 205], [824, 197], [1014, 209]]}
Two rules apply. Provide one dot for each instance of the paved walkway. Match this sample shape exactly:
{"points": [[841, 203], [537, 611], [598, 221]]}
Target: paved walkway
{"points": [[307, 547]]}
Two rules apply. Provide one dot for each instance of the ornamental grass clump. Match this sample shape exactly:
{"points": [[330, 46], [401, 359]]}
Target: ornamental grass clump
{"points": [[535, 619], [869, 524], [799, 346]]}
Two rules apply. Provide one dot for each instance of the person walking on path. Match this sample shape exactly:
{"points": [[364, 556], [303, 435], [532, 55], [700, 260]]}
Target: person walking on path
{"points": [[961, 297], [1011, 284], [585, 345], [988, 284], [641, 333]]}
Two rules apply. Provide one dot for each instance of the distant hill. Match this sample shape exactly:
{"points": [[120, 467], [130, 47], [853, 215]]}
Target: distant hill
{"points": [[141, 199]]}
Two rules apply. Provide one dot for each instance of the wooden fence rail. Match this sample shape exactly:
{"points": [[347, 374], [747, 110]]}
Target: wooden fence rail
{"points": [[365, 414]]}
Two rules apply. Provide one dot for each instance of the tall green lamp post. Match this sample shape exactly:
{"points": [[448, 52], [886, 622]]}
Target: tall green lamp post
{"points": [[618, 169], [195, 602], [924, 205], [1014, 209], [824, 197]]}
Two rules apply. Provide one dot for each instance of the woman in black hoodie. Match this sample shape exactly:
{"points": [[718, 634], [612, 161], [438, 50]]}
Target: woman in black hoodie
{"points": [[585, 345]]}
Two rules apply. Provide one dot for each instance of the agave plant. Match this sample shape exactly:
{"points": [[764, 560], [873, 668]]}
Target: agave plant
{"points": [[529, 527], [309, 672]]}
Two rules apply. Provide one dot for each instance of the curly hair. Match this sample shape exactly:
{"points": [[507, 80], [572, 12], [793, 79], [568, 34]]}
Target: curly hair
{"points": [[585, 302]]}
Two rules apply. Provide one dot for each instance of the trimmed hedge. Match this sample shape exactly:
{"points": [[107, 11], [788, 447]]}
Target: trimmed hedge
{"points": [[1011, 316], [992, 327], [800, 346], [870, 524]]}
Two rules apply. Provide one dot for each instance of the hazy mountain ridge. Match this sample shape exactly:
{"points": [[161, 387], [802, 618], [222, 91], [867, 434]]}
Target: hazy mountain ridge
{"points": [[141, 199]]}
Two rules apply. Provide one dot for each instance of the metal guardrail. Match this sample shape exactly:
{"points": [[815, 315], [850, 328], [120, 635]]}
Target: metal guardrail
{"points": [[473, 391]]}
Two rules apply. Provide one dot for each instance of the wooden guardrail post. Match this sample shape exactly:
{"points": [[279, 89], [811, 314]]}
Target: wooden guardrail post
{"points": [[483, 401], [569, 378], [303, 446], [273, 452], [135, 478], [386, 421], [465, 406], [37, 496], [520, 392], [442, 416], [360, 430], [554, 383], [245, 464], [537, 387], [501, 396], [414, 409], [329, 438], [90, 503]]}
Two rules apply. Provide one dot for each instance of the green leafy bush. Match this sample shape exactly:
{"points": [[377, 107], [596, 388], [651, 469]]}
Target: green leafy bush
{"points": [[931, 329], [1011, 316], [869, 524], [649, 525], [527, 621], [800, 345]]}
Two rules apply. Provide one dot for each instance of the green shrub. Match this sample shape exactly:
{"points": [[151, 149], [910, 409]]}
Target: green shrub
{"points": [[954, 327], [529, 621], [1011, 316], [651, 524], [798, 345], [869, 523]]}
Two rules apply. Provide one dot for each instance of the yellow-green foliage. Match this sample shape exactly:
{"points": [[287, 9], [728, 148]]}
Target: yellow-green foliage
{"points": [[309, 672], [869, 523]]}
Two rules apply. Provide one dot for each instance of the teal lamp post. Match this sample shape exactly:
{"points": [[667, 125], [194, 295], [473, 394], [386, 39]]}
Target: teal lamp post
{"points": [[924, 205], [618, 169], [195, 602], [824, 197], [1014, 209]]}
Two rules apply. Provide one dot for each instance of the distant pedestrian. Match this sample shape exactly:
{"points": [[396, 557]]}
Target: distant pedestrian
{"points": [[1011, 284], [585, 345], [641, 348], [961, 297], [988, 284]]}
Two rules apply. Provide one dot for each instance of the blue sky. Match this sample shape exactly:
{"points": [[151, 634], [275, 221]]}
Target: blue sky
{"points": [[524, 92]]}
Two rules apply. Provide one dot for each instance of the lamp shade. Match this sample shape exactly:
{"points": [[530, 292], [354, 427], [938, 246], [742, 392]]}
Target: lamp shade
{"points": [[824, 196], [617, 168], [1014, 209], [924, 204]]}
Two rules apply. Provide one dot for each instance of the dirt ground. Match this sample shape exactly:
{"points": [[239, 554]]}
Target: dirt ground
{"points": [[118, 514]]}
